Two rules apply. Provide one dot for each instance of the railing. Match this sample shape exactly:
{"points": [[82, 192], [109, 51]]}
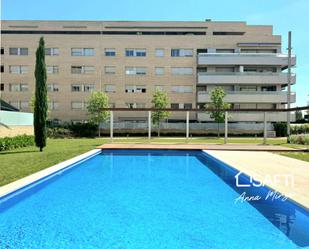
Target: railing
{"points": [[245, 54], [148, 124], [283, 93], [244, 74]]}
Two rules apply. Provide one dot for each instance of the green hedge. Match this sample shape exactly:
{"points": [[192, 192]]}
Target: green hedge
{"points": [[73, 130], [300, 129], [300, 139], [281, 129], [9, 143]]}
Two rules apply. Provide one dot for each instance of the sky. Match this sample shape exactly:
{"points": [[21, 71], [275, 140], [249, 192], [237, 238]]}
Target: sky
{"points": [[284, 15]]}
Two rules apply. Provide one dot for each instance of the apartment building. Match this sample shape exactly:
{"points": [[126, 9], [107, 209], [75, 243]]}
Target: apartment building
{"points": [[131, 60]]}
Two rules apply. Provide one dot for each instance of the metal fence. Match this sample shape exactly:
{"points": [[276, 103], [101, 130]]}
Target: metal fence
{"points": [[190, 128]]}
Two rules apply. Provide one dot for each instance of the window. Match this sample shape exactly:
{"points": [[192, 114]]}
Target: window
{"points": [[266, 51], [111, 105], [1, 87], [52, 69], [1, 68], [136, 70], [82, 51], [18, 51], [52, 105], [110, 52], [225, 69], [18, 69], [88, 87], [187, 106], [76, 88], [110, 70], [135, 105], [52, 88], [24, 104], [159, 52], [135, 89], [77, 105], [14, 88], [52, 51], [248, 88], [109, 88], [225, 50], [268, 88], [182, 70], [182, 52], [23, 87], [130, 52], [159, 70], [82, 69], [174, 105], [2, 50], [182, 89]]}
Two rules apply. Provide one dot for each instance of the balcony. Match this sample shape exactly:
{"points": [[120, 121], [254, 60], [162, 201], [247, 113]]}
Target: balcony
{"points": [[244, 78], [245, 59], [250, 117], [249, 97]]}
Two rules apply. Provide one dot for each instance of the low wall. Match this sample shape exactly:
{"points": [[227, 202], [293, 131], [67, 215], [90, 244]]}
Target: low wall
{"points": [[15, 123], [14, 130]]}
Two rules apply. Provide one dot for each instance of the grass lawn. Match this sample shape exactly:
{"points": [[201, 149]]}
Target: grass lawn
{"points": [[297, 155], [19, 163]]}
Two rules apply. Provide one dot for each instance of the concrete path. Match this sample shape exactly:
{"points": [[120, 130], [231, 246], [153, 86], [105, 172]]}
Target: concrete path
{"points": [[278, 172], [238, 147]]}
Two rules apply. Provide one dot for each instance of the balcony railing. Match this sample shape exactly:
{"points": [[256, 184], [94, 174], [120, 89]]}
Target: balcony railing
{"points": [[250, 97], [245, 59], [244, 78]]}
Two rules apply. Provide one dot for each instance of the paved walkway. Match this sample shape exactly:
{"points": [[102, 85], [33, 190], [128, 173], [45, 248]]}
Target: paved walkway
{"points": [[238, 147], [271, 168]]}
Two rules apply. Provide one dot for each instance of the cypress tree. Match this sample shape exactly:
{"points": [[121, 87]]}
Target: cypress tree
{"points": [[40, 101]]}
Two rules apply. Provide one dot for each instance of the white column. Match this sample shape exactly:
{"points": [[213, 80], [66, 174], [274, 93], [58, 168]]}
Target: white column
{"points": [[225, 127], [111, 119], [187, 125], [265, 128], [149, 125], [241, 69]]}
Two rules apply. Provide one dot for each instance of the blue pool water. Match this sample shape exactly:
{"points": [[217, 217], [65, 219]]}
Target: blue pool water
{"points": [[148, 199]]}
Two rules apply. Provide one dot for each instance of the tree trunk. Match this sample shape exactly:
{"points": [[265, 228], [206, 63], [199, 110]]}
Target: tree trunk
{"points": [[159, 129], [99, 132], [218, 129], [41, 149]]}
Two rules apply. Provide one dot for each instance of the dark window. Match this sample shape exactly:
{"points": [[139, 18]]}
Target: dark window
{"points": [[2, 50], [13, 51], [201, 50], [187, 106], [227, 33], [1, 87], [175, 106], [2, 69]]}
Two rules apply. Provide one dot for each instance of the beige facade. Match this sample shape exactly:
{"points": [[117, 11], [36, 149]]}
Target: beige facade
{"points": [[130, 60]]}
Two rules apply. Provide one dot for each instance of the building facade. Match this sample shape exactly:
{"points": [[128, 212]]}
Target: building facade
{"points": [[131, 60]]}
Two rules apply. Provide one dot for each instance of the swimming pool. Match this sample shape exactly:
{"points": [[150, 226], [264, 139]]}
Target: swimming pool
{"points": [[148, 199]]}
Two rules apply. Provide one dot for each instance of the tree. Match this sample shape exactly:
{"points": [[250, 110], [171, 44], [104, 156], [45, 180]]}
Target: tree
{"points": [[159, 101], [98, 101], [40, 102], [217, 98]]}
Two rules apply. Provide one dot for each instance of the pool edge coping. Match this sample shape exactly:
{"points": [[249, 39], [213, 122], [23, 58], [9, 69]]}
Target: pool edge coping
{"points": [[295, 202], [40, 175]]}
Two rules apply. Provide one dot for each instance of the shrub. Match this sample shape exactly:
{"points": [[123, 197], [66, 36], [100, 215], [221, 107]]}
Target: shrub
{"points": [[9, 143], [83, 130], [300, 129], [281, 129], [59, 132], [300, 139]]}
